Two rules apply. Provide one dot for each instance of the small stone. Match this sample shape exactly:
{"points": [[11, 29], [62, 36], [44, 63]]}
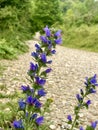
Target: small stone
{"points": [[81, 115], [7, 109], [52, 127]]}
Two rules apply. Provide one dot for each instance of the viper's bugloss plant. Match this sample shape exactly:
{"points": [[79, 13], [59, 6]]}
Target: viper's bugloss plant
{"points": [[31, 110], [90, 88]]}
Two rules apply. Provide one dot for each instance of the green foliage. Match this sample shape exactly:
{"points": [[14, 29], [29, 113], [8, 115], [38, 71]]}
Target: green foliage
{"points": [[77, 12], [80, 24], [83, 37], [46, 13], [15, 27]]}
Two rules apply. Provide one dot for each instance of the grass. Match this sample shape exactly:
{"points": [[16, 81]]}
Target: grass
{"points": [[8, 108], [2, 68], [83, 37]]}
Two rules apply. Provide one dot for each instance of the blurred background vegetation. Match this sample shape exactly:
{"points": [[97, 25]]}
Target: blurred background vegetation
{"points": [[20, 19]]}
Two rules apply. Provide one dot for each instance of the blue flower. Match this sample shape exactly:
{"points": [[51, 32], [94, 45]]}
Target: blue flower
{"points": [[58, 41], [91, 90], [58, 33], [29, 100], [22, 104], [48, 70], [41, 92], [92, 81], [69, 117], [18, 124], [25, 88], [79, 97], [40, 81], [38, 47], [81, 128], [43, 58], [33, 67], [34, 116], [34, 100], [49, 62], [49, 43], [94, 124], [43, 39], [88, 102], [34, 54], [37, 104], [47, 31], [53, 51], [39, 120]]}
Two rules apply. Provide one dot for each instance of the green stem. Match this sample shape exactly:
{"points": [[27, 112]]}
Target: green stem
{"points": [[77, 117], [74, 122]]}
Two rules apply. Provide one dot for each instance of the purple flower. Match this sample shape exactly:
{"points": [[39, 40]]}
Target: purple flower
{"points": [[79, 97], [49, 62], [33, 67], [69, 117], [47, 31], [34, 54], [92, 81], [43, 58], [39, 120], [41, 92], [94, 124], [29, 100], [58, 41], [25, 88], [88, 102], [49, 42], [48, 70], [22, 104], [53, 51], [18, 124], [34, 116], [91, 90], [37, 47], [37, 104], [33, 101], [40, 81], [43, 39], [81, 128], [58, 33]]}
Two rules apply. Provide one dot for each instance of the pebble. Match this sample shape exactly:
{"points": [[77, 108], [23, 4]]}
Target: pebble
{"points": [[52, 127]]}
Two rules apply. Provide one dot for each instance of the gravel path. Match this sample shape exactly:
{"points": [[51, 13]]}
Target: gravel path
{"points": [[70, 67]]}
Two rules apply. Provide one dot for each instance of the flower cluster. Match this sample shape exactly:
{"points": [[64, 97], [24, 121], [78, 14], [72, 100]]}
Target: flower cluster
{"points": [[90, 88], [30, 107]]}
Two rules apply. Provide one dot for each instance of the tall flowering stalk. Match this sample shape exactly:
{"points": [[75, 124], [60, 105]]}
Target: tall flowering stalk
{"points": [[30, 107], [90, 88]]}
